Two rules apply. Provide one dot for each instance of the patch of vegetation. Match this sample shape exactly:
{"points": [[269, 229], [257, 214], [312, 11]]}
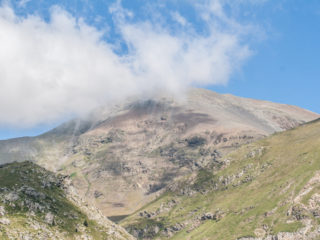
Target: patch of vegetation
{"points": [[205, 179], [146, 228], [287, 227], [73, 175], [117, 218], [196, 141]]}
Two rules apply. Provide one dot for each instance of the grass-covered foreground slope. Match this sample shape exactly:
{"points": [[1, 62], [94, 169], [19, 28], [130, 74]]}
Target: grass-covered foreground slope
{"points": [[269, 189], [34, 205]]}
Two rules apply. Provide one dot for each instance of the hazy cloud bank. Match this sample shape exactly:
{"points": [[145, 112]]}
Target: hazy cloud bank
{"points": [[62, 67]]}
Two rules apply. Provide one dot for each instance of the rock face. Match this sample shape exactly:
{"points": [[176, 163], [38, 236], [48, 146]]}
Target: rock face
{"points": [[123, 157], [37, 204]]}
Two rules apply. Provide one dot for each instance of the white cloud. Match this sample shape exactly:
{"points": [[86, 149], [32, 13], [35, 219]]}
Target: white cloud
{"points": [[23, 3], [179, 19], [50, 70]]}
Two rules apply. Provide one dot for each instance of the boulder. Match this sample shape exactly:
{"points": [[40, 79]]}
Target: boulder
{"points": [[2, 211], [5, 221], [49, 218]]}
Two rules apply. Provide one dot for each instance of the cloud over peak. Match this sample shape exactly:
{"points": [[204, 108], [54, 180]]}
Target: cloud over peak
{"points": [[52, 69]]}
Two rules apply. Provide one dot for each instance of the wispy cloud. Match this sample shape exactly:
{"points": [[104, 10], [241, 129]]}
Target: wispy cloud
{"points": [[178, 18], [23, 3], [62, 67]]}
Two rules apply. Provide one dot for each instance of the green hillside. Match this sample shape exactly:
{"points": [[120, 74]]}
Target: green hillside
{"points": [[34, 205], [264, 189]]}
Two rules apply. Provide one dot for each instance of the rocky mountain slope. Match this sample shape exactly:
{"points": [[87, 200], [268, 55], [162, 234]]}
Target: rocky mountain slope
{"points": [[122, 157], [37, 204], [269, 189]]}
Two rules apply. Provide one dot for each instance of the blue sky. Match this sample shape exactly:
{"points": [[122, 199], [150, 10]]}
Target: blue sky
{"points": [[286, 65], [276, 50]]}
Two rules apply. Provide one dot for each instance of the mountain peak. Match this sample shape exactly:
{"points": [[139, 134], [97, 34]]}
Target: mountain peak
{"points": [[141, 145]]}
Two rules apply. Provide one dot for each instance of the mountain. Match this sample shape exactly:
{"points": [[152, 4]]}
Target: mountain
{"points": [[124, 156], [269, 189], [37, 204]]}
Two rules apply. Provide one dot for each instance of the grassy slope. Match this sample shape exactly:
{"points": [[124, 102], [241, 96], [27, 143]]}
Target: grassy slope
{"points": [[264, 178], [69, 221]]}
